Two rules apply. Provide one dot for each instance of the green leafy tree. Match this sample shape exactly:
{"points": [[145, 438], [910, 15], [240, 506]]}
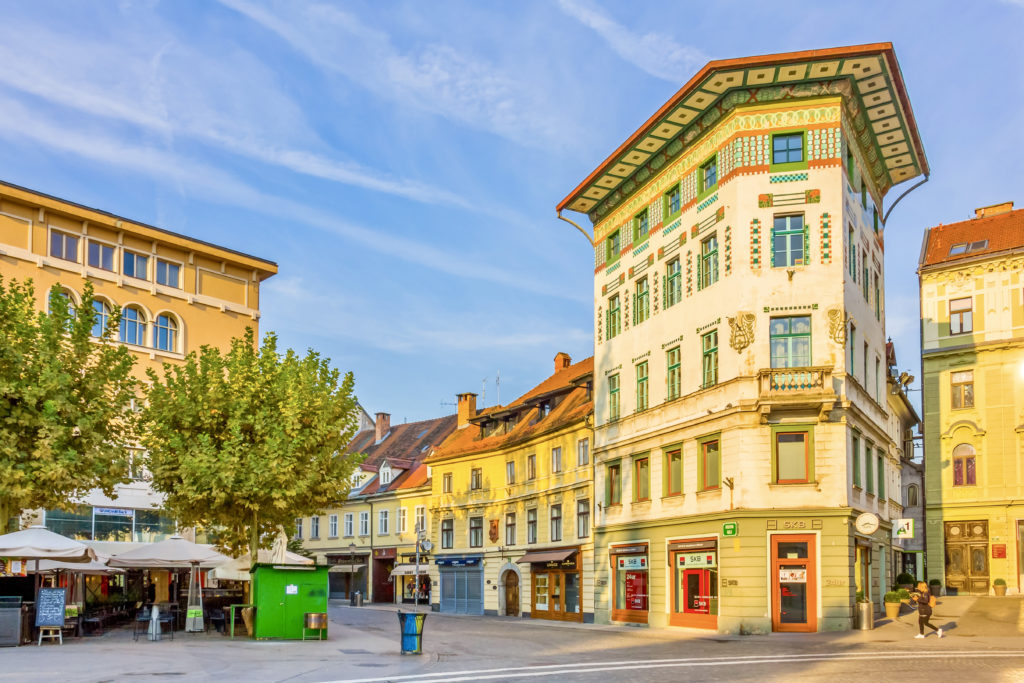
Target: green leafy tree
{"points": [[248, 439], [65, 397]]}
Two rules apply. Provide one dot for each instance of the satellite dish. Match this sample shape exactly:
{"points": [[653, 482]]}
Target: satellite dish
{"points": [[426, 545]]}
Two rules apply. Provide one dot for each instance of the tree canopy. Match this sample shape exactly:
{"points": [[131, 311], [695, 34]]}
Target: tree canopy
{"points": [[65, 396], [248, 439]]}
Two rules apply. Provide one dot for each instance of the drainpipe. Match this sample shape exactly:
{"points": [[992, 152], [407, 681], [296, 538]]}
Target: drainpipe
{"points": [[582, 231], [370, 563]]}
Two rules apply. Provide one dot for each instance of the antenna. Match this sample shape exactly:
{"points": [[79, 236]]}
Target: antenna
{"points": [[483, 392], [497, 383]]}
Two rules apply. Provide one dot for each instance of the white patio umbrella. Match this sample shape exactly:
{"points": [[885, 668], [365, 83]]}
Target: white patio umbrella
{"points": [[39, 543], [238, 568], [176, 553]]}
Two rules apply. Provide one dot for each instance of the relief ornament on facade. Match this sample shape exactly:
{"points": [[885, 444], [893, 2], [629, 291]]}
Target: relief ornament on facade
{"points": [[741, 333], [837, 320]]}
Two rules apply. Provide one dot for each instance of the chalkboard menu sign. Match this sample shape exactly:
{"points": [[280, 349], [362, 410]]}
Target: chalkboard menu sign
{"points": [[50, 607]]}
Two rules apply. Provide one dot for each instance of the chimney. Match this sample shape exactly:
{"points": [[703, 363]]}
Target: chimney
{"points": [[467, 408], [383, 425], [562, 361], [993, 210]]}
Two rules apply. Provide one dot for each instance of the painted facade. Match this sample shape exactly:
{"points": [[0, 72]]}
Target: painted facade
{"points": [[741, 418], [904, 423], [512, 504], [370, 540], [972, 322], [181, 292]]}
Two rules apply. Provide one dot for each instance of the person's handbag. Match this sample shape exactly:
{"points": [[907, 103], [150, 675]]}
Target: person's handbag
{"points": [[932, 601]]}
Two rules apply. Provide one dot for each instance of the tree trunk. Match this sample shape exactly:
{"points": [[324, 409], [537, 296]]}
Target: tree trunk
{"points": [[254, 539], [5, 515]]}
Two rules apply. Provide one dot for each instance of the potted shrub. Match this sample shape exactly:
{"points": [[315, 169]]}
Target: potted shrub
{"points": [[892, 604], [999, 586], [935, 586], [905, 580], [904, 596]]}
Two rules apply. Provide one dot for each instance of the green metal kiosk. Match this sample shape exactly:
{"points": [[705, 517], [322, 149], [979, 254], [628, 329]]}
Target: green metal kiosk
{"points": [[284, 594]]}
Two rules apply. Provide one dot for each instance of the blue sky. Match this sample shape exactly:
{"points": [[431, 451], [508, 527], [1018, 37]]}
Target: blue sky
{"points": [[401, 161]]}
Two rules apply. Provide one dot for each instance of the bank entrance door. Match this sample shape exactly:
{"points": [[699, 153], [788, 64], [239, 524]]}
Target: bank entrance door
{"points": [[967, 557], [794, 583]]}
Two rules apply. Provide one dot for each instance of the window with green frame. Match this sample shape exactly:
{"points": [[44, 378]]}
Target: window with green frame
{"points": [[672, 202], [792, 454], [613, 397], [614, 326], [878, 296], [612, 247], [613, 491], [868, 469], [856, 460], [787, 148], [790, 341], [641, 386], [673, 379], [673, 469], [789, 241], [673, 283], [852, 367], [874, 217], [641, 478], [852, 247], [709, 464], [641, 226], [708, 176], [709, 351], [881, 475], [865, 274], [707, 273], [641, 301]]}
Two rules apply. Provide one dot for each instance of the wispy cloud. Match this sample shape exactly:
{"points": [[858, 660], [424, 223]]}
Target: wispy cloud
{"points": [[171, 90], [19, 124], [656, 53], [434, 77]]}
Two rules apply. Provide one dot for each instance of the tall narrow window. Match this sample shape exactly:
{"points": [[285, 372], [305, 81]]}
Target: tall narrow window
{"points": [[383, 521], [641, 301], [613, 397], [708, 272], [792, 457], [878, 296], [881, 474], [790, 340], [852, 251], [709, 174], [614, 325], [102, 320], [64, 246], [673, 283], [364, 523], [852, 367], [531, 466], [446, 483], [674, 472], [165, 333], [556, 523], [583, 452], [710, 465], [641, 479], [964, 466], [583, 518], [962, 388], [133, 326], [612, 247], [349, 526], [961, 316], [913, 496], [640, 226], [673, 201], [673, 378], [614, 496], [864, 273], [298, 527], [869, 471], [447, 533], [314, 527], [788, 241], [641, 386], [510, 472], [709, 350], [332, 526], [421, 518], [101, 255], [556, 459], [401, 520], [510, 528], [476, 532], [856, 461], [531, 525], [476, 478]]}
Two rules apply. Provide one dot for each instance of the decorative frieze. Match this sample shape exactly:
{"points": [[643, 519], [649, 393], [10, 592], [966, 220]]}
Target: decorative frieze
{"points": [[755, 244]]}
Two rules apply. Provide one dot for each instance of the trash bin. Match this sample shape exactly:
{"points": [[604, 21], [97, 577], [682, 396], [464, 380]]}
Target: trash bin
{"points": [[10, 621], [411, 624], [865, 616], [357, 599]]}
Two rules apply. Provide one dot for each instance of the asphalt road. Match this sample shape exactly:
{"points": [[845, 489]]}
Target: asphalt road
{"points": [[985, 642]]}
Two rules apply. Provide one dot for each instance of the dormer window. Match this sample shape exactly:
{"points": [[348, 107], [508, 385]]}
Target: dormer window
{"points": [[544, 409], [385, 475]]}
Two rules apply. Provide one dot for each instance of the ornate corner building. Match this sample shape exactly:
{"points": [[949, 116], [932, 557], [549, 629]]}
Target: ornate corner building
{"points": [[972, 357], [740, 377]]}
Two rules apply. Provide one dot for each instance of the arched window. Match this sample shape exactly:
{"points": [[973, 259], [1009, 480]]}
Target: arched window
{"points": [[964, 466], [913, 496], [133, 326], [165, 333], [66, 295], [102, 309]]}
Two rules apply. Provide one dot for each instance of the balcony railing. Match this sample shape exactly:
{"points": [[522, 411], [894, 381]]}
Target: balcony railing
{"points": [[795, 382]]}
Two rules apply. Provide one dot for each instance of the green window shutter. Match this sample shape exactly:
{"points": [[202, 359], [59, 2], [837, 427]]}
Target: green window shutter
{"points": [[634, 308], [771, 247], [807, 244]]}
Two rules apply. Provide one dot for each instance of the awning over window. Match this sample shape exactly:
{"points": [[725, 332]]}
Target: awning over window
{"points": [[547, 556], [345, 568], [409, 570]]}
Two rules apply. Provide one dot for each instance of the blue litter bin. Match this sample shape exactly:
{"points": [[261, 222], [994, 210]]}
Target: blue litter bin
{"points": [[411, 624]]}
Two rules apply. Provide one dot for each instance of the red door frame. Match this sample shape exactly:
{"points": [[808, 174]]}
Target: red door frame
{"points": [[682, 617], [810, 563]]}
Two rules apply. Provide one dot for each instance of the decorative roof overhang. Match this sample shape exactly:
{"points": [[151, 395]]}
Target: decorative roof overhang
{"points": [[867, 76]]}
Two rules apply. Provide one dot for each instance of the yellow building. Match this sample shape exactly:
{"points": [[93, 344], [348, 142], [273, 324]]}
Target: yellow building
{"points": [[513, 501], [370, 540], [177, 293], [972, 347]]}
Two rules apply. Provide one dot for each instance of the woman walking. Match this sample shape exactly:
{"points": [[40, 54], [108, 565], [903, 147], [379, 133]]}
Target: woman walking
{"points": [[925, 602]]}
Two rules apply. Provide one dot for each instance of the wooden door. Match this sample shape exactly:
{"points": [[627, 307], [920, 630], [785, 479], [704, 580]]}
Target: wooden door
{"points": [[794, 583], [511, 594]]}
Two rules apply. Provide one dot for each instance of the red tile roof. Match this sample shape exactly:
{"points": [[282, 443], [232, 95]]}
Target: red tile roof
{"points": [[1003, 231], [575, 405], [404, 447]]}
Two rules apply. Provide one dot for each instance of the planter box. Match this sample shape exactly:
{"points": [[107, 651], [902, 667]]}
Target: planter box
{"points": [[892, 609]]}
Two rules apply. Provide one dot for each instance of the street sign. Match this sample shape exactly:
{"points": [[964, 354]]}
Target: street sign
{"points": [[903, 528], [731, 529]]}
